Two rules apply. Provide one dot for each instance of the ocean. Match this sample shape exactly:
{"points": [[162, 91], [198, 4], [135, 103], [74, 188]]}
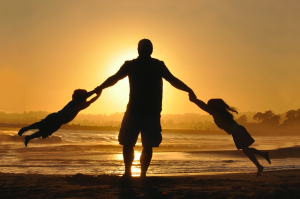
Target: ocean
{"points": [[91, 152]]}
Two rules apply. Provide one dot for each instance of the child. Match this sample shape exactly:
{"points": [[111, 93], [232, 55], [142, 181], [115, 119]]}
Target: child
{"points": [[53, 121], [224, 120]]}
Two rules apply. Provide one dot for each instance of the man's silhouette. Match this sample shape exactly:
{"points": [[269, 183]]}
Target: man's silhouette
{"points": [[145, 103]]}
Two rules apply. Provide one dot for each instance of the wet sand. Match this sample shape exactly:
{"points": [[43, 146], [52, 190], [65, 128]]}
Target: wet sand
{"points": [[282, 153], [272, 184]]}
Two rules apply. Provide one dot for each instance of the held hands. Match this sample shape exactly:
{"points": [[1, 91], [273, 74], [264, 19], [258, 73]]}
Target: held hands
{"points": [[98, 90], [192, 96]]}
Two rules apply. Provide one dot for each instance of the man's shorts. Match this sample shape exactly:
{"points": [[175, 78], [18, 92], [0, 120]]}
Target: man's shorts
{"points": [[149, 127]]}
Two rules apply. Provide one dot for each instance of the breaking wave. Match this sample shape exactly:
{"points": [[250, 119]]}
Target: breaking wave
{"points": [[9, 136]]}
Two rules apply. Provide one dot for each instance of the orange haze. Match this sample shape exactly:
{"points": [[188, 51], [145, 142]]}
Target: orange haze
{"points": [[246, 52]]}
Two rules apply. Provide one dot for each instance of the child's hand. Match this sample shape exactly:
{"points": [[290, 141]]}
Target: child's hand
{"points": [[192, 97], [99, 93]]}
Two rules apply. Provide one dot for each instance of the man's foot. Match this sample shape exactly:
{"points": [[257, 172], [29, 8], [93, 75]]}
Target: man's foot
{"points": [[266, 156], [126, 176], [259, 170], [26, 140], [22, 130], [143, 176]]}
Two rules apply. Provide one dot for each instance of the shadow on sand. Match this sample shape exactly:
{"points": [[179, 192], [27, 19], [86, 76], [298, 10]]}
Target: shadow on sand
{"points": [[134, 188]]}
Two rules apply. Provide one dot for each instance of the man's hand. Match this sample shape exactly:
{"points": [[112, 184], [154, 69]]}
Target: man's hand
{"points": [[192, 96], [98, 90]]}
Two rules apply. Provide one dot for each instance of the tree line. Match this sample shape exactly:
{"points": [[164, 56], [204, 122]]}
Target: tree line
{"points": [[190, 121]]}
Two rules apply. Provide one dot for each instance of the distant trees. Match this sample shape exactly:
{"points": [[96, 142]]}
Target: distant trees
{"points": [[258, 117], [267, 118], [293, 118], [242, 120], [168, 121]]}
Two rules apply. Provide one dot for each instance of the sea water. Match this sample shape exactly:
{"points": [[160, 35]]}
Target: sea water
{"points": [[92, 152]]}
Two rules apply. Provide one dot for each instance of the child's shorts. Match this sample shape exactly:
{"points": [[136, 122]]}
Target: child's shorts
{"points": [[149, 127], [242, 138], [49, 125]]}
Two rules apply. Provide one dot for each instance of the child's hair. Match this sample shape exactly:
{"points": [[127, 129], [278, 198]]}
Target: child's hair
{"points": [[78, 93], [222, 108]]}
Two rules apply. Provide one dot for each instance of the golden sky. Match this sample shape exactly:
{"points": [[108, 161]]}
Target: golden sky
{"points": [[246, 52]]}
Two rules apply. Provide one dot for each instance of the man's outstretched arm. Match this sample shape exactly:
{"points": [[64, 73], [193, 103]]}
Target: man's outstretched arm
{"points": [[112, 80], [178, 83]]}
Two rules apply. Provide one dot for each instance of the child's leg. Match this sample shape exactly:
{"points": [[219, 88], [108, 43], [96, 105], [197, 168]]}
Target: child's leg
{"points": [[32, 136], [32, 126], [263, 154], [248, 152]]}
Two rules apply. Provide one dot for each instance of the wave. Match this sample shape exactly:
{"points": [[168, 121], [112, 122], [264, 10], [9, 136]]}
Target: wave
{"points": [[49, 140], [10, 138], [14, 137]]}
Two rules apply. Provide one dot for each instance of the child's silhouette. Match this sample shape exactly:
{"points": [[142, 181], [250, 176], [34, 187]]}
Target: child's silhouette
{"points": [[53, 121], [224, 120]]}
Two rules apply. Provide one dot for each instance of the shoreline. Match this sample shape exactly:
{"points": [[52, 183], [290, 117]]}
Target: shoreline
{"points": [[272, 184], [252, 131]]}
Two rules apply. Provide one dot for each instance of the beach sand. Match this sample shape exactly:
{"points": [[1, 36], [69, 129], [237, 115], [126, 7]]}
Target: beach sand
{"points": [[272, 184]]}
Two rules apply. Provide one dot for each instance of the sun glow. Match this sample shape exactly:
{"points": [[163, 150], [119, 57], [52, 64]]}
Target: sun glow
{"points": [[118, 59], [118, 95]]}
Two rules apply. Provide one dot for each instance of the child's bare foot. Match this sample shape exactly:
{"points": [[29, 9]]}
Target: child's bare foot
{"points": [[22, 130], [266, 156], [259, 170], [27, 138]]}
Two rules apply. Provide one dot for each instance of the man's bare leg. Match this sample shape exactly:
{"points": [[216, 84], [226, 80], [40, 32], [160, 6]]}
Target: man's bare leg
{"points": [[145, 160], [128, 157]]}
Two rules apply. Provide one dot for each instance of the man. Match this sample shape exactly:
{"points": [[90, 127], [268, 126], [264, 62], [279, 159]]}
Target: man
{"points": [[145, 104]]}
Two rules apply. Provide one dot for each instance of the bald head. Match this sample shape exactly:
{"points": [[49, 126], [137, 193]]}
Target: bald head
{"points": [[145, 47]]}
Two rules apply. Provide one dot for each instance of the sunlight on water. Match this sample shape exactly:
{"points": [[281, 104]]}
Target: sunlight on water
{"points": [[136, 170], [117, 156], [137, 156], [69, 152]]}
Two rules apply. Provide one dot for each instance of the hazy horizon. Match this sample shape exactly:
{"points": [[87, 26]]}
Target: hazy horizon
{"points": [[81, 118], [200, 113], [245, 52]]}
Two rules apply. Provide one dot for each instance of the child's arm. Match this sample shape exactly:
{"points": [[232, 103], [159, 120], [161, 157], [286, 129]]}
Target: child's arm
{"points": [[200, 104], [94, 98], [89, 94]]}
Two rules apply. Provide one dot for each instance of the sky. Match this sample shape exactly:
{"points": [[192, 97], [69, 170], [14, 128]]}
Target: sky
{"points": [[245, 52]]}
